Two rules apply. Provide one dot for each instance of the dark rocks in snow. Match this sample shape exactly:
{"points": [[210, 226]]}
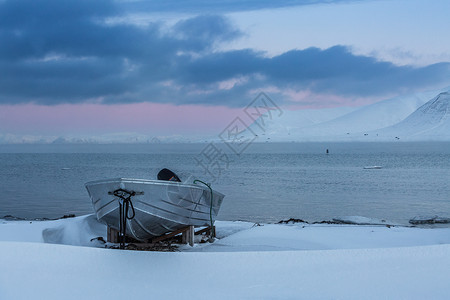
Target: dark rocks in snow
{"points": [[326, 222], [291, 221], [359, 221], [355, 220], [429, 220], [12, 218]]}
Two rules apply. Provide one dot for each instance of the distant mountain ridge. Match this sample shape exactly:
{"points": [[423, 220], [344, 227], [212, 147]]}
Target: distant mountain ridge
{"points": [[418, 117], [431, 121], [380, 121], [439, 105]]}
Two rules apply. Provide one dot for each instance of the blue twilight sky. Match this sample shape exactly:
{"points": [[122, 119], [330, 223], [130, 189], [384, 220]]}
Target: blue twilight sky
{"points": [[218, 54]]}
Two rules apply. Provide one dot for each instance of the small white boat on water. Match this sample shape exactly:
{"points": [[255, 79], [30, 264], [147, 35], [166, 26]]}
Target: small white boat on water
{"points": [[150, 208], [373, 167]]}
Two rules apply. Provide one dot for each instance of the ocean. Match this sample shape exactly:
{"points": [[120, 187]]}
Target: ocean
{"points": [[266, 182]]}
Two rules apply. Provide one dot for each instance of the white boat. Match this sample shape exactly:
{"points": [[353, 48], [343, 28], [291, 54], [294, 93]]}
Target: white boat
{"points": [[373, 167], [157, 206]]}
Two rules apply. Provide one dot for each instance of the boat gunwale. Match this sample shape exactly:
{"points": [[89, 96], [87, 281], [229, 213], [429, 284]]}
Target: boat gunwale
{"points": [[150, 181]]}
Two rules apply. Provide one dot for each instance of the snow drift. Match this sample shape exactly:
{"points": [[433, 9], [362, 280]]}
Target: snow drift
{"points": [[272, 261]]}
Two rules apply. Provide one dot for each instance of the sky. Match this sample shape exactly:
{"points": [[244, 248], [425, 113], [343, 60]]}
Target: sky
{"points": [[81, 68]]}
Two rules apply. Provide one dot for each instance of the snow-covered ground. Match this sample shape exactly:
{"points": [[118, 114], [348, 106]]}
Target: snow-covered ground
{"points": [[58, 260]]}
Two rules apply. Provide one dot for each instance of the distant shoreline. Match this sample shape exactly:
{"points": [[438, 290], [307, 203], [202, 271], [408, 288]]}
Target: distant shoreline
{"points": [[194, 148]]}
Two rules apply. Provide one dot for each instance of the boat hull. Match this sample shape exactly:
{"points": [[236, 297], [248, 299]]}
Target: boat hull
{"points": [[160, 206]]}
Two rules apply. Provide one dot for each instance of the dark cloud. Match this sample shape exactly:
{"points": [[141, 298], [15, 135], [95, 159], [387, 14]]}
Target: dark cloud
{"points": [[201, 30], [55, 50], [221, 66], [335, 70], [63, 51], [32, 29]]}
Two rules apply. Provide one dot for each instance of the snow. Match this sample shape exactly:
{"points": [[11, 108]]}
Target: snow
{"points": [[280, 128], [73, 231], [431, 121], [411, 117], [247, 261], [276, 237], [358, 220]]}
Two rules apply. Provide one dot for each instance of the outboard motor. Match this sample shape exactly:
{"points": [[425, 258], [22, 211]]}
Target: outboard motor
{"points": [[166, 174]]}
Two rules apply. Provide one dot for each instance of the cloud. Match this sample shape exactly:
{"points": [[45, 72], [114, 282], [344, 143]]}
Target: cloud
{"points": [[203, 29], [331, 71], [56, 51], [224, 6]]}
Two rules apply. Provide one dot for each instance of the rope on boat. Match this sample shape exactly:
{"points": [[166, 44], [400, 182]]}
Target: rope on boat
{"points": [[210, 207], [124, 205]]}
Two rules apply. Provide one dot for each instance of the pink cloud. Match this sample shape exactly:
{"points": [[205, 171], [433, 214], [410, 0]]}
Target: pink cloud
{"points": [[145, 118]]}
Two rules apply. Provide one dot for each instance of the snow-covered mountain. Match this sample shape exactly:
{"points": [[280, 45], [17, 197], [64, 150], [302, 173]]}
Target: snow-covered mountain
{"points": [[377, 115], [359, 124], [431, 121], [115, 138], [280, 128], [410, 117]]}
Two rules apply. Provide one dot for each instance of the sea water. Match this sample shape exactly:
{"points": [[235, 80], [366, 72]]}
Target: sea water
{"points": [[266, 182]]}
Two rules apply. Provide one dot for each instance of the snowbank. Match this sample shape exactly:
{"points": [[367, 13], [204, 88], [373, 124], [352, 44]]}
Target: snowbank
{"points": [[73, 231], [247, 262]]}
